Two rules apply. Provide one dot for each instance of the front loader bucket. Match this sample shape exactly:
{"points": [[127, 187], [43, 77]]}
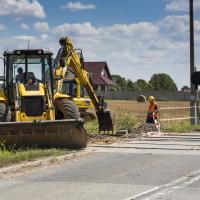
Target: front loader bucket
{"points": [[105, 120], [67, 133]]}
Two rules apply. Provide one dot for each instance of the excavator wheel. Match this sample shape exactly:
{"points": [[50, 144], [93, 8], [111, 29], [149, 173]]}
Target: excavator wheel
{"points": [[66, 109], [2, 112]]}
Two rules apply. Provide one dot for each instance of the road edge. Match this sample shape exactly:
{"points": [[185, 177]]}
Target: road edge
{"points": [[42, 162]]}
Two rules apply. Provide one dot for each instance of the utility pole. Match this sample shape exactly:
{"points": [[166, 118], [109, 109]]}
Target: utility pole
{"points": [[193, 91]]}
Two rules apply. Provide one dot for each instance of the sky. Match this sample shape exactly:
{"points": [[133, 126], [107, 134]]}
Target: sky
{"points": [[137, 38]]}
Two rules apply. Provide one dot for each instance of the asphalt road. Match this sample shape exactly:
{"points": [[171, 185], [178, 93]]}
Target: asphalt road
{"points": [[152, 168]]}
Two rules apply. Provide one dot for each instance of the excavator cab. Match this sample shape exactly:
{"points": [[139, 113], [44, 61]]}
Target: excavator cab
{"points": [[28, 85]]}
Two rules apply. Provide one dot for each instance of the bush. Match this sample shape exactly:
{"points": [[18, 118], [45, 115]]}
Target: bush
{"points": [[121, 122], [92, 126], [124, 122]]}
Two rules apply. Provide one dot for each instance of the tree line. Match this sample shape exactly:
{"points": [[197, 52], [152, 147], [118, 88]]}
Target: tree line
{"points": [[158, 81]]}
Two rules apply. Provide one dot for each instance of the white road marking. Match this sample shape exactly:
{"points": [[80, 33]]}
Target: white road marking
{"points": [[162, 190]]}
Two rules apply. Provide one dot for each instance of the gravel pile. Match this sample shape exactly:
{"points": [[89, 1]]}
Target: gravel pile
{"points": [[103, 138], [141, 131]]}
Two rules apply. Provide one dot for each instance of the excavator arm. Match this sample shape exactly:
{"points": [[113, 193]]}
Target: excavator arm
{"points": [[67, 56]]}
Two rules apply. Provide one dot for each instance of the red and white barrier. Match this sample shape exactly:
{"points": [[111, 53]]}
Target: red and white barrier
{"points": [[177, 108]]}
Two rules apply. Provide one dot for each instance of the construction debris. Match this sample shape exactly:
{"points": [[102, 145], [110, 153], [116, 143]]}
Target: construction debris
{"points": [[121, 132], [140, 131]]}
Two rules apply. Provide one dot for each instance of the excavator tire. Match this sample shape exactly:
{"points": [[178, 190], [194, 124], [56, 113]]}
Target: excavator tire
{"points": [[2, 112], [68, 109]]}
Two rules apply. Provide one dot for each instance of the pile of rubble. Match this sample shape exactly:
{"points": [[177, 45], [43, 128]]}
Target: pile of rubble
{"points": [[140, 131], [103, 138], [143, 130]]}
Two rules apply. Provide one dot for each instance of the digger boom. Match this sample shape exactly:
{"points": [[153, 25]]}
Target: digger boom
{"points": [[67, 56]]}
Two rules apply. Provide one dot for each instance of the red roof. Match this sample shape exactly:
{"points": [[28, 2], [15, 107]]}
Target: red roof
{"points": [[95, 69]]}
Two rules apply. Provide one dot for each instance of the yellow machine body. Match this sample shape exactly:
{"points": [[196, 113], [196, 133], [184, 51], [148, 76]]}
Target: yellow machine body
{"points": [[29, 110], [49, 114]]}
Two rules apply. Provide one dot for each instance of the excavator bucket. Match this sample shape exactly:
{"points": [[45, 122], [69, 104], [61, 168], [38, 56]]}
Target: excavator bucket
{"points": [[67, 133], [105, 120]]}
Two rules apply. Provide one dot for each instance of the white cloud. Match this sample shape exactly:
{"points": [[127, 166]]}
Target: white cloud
{"points": [[26, 38], [24, 26], [2, 27], [21, 42], [41, 26], [176, 26], [135, 50], [77, 29], [18, 19], [75, 6], [181, 5], [197, 25], [21, 8]]}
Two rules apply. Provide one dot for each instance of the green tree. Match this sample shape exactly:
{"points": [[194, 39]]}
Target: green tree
{"points": [[185, 88], [163, 81], [132, 86], [121, 82], [143, 85]]}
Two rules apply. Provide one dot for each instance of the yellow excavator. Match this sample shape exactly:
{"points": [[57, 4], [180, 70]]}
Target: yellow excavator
{"points": [[67, 57], [33, 109], [72, 87], [29, 109]]}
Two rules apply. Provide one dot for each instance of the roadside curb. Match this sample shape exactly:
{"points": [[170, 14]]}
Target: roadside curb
{"points": [[43, 162]]}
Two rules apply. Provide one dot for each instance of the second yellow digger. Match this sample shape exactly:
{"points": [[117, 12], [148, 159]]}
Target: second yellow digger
{"points": [[68, 57], [73, 88]]}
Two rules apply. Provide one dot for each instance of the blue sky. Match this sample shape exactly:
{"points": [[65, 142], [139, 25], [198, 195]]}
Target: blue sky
{"points": [[136, 37]]}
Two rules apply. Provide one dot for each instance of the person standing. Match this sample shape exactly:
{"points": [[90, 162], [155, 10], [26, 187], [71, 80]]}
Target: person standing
{"points": [[153, 111]]}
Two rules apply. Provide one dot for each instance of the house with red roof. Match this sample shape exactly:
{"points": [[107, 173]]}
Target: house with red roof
{"points": [[100, 75]]}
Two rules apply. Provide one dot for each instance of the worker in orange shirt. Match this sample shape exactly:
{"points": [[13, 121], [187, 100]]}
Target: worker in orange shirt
{"points": [[152, 114]]}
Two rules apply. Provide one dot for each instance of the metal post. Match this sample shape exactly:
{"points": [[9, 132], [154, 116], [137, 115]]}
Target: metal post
{"points": [[196, 107], [193, 110]]}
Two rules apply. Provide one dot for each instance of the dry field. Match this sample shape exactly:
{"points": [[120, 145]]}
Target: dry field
{"points": [[139, 110], [129, 114]]}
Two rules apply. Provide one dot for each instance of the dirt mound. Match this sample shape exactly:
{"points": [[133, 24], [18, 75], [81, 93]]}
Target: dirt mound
{"points": [[140, 131], [103, 138]]}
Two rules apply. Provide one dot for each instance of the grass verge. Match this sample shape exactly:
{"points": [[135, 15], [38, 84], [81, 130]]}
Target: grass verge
{"points": [[179, 127], [121, 122], [8, 157]]}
